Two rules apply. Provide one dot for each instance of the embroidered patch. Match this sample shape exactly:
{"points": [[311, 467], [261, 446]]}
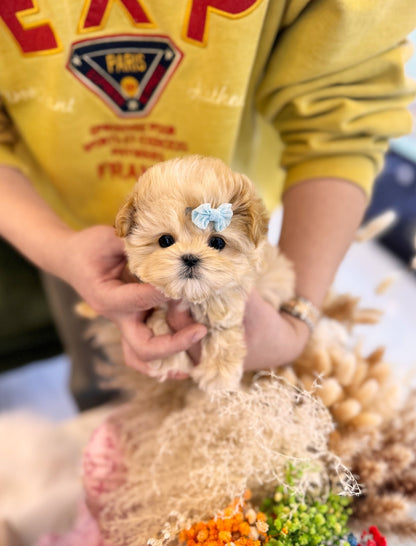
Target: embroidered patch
{"points": [[128, 73]]}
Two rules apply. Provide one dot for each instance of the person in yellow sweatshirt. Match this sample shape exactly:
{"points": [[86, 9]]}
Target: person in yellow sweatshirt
{"points": [[301, 95]]}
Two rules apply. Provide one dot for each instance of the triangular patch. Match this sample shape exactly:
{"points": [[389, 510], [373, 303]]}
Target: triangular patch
{"points": [[127, 72]]}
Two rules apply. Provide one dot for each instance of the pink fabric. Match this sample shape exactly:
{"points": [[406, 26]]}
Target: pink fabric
{"points": [[104, 472], [84, 533], [103, 466]]}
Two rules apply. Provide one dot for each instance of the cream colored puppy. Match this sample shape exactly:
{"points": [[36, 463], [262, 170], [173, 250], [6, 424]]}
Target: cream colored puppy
{"points": [[196, 230]]}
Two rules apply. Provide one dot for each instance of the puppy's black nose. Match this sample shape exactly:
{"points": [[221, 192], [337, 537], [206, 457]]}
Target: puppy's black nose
{"points": [[190, 260]]}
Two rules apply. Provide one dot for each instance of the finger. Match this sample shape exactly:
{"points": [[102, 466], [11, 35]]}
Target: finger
{"points": [[178, 316], [123, 298], [149, 347], [127, 275], [194, 353], [132, 361], [178, 375], [146, 368]]}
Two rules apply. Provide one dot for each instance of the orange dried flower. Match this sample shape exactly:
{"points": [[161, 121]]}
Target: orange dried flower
{"points": [[202, 535], [228, 512], [232, 529], [239, 516], [244, 529], [225, 536]]}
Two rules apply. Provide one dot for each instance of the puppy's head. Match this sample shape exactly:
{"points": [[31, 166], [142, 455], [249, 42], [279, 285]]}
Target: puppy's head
{"points": [[164, 244]]}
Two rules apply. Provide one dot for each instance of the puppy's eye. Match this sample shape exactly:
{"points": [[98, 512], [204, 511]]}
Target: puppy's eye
{"points": [[216, 242], [166, 240]]}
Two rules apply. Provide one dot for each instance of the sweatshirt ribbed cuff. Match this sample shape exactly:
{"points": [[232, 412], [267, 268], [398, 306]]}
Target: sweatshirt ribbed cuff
{"points": [[353, 168]]}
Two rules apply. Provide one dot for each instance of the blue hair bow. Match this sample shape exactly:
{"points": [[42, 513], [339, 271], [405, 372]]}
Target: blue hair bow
{"points": [[204, 214]]}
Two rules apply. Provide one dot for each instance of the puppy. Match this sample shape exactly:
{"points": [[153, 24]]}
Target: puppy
{"points": [[197, 231]]}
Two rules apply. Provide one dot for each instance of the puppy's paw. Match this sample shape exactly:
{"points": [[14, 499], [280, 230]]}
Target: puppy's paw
{"points": [[162, 369], [179, 362], [214, 376]]}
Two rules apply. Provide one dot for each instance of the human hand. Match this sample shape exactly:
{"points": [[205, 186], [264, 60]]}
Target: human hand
{"points": [[95, 266], [272, 338]]}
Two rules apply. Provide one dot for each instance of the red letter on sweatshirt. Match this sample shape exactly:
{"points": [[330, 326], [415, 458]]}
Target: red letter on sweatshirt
{"points": [[33, 38], [198, 15], [95, 13]]}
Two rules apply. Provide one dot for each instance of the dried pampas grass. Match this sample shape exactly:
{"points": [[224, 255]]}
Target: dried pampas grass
{"points": [[377, 226], [346, 309], [386, 284], [190, 455], [358, 389], [387, 469]]}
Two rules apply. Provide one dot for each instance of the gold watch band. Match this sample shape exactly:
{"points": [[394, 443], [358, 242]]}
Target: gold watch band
{"points": [[302, 309]]}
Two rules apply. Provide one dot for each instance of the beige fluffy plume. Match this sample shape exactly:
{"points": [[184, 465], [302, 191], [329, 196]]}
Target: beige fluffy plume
{"points": [[188, 455]]}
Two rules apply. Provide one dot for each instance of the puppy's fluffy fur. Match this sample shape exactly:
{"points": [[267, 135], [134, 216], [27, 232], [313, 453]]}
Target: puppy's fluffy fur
{"points": [[215, 287]]}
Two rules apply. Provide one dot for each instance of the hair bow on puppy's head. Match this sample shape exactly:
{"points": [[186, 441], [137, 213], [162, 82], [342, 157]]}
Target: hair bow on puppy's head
{"points": [[204, 214]]}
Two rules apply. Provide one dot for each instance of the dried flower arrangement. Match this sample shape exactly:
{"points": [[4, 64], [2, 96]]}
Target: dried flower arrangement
{"points": [[387, 468], [334, 401], [283, 520], [374, 435], [189, 455], [238, 524], [358, 389]]}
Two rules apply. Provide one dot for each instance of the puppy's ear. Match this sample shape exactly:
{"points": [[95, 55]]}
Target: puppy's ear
{"points": [[125, 217], [259, 220], [250, 208]]}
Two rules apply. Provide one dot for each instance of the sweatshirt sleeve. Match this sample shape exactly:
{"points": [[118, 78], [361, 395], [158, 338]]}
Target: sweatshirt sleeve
{"points": [[335, 87]]}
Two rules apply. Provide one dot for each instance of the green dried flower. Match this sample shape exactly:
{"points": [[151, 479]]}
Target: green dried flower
{"points": [[306, 522]]}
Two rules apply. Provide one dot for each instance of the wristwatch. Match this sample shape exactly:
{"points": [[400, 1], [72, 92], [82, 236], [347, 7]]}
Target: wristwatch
{"points": [[302, 309]]}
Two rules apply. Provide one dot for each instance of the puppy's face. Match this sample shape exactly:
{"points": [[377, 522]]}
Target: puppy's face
{"points": [[167, 249]]}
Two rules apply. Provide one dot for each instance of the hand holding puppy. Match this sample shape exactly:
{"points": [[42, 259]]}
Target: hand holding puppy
{"points": [[107, 287], [97, 271], [272, 339], [92, 261]]}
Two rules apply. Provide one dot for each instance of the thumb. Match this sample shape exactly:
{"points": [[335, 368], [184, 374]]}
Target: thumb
{"points": [[132, 297], [178, 315]]}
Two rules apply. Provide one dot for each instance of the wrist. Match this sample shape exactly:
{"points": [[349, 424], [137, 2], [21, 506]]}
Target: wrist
{"points": [[58, 251], [303, 310], [301, 329], [300, 333]]}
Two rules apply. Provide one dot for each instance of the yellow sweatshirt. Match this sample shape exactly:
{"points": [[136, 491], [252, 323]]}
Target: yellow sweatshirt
{"points": [[95, 91]]}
